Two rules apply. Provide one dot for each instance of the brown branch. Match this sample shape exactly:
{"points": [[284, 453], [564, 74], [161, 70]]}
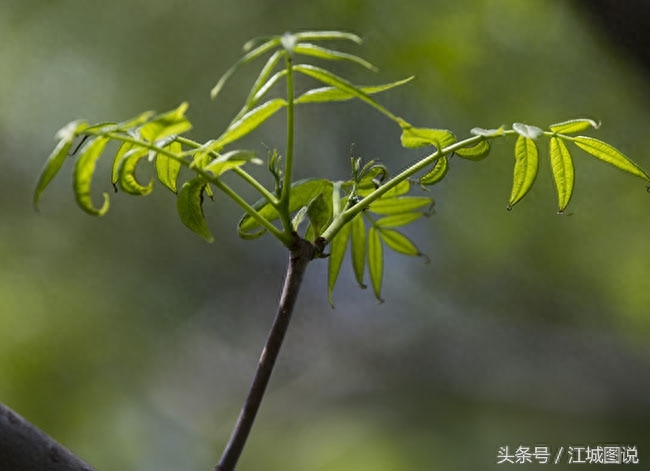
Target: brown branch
{"points": [[301, 254], [24, 447]]}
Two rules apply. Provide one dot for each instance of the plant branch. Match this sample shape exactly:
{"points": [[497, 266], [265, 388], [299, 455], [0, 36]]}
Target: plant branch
{"points": [[302, 253], [24, 447]]}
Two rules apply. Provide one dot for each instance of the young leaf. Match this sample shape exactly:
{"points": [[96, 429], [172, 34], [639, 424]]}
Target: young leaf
{"points": [[313, 50], [526, 166], [563, 174], [125, 147], [329, 78], [167, 169], [127, 180], [325, 35], [83, 174], [413, 138], [398, 220], [331, 94], [263, 90], [436, 174], [55, 161], [524, 130], [603, 151], [167, 124], [258, 51], [375, 261], [476, 152], [403, 204], [302, 193], [358, 236], [230, 160], [190, 207], [298, 218], [400, 189], [262, 79], [487, 132], [335, 260], [398, 242], [573, 126], [248, 122], [319, 213]]}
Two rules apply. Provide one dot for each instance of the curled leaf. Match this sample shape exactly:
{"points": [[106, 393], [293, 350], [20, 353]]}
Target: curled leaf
{"points": [[476, 152], [573, 126], [607, 153], [436, 174], [413, 138], [525, 172], [83, 174], [530, 132], [190, 207], [488, 132], [127, 179], [563, 173]]}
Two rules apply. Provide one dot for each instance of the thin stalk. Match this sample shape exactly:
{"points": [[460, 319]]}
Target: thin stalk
{"points": [[302, 253], [288, 165]]}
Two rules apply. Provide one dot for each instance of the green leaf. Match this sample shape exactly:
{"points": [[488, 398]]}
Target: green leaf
{"points": [[313, 50], [167, 124], [302, 193], [125, 147], [413, 138], [398, 242], [488, 132], [329, 78], [403, 204], [573, 126], [398, 220], [476, 152], [400, 189], [605, 152], [319, 213], [335, 260], [167, 169], [298, 218], [332, 94], [526, 166], [127, 180], [83, 174], [265, 88], [326, 35], [248, 122], [66, 136], [563, 174], [255, 53], [358, 235], [375, 261], [230, 160], [262, 79], [190, 207], [437, 173], [530, 132]]}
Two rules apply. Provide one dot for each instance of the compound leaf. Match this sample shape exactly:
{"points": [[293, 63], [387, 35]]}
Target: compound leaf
{"points": [[437, 173], [563, 173], [375, 261], [573, 126], [335, 260], [358, 236], [607, 153], [190, 207], [167, 169], [526, 166], [331, 94], [476, 152], [83, 174], [307, 49]]}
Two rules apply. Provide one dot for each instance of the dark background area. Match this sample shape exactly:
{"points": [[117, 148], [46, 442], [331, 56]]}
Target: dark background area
{"points": [[132, 341]]}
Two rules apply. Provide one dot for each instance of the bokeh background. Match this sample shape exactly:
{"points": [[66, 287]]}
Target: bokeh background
{"points": [[132, 341]]}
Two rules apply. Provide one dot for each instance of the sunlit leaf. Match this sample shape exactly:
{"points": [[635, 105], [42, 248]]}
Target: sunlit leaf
{"points": [[413, 138], [230, 160], [313, 50], [56, 159], [302, 193], [573, 126], [375, 261], [524, 130], [167, 124], [526, 166], [329, 78], [83, 174], [266, 87], [358, 237], [563, 174], [326, 35], [331, 94], [398, 242], [398, 220], [248, 122], [335, 260], [124, 148], [605, 152], [128, 182], [403, 204], [167, 169], [476, 152], [487, 132], [190, 207], [258, 51], [262, 78], [436, 174], [319, 212], [400, 189]]}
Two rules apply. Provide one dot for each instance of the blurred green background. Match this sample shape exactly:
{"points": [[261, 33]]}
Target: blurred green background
{"points": [[132, 341]]}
